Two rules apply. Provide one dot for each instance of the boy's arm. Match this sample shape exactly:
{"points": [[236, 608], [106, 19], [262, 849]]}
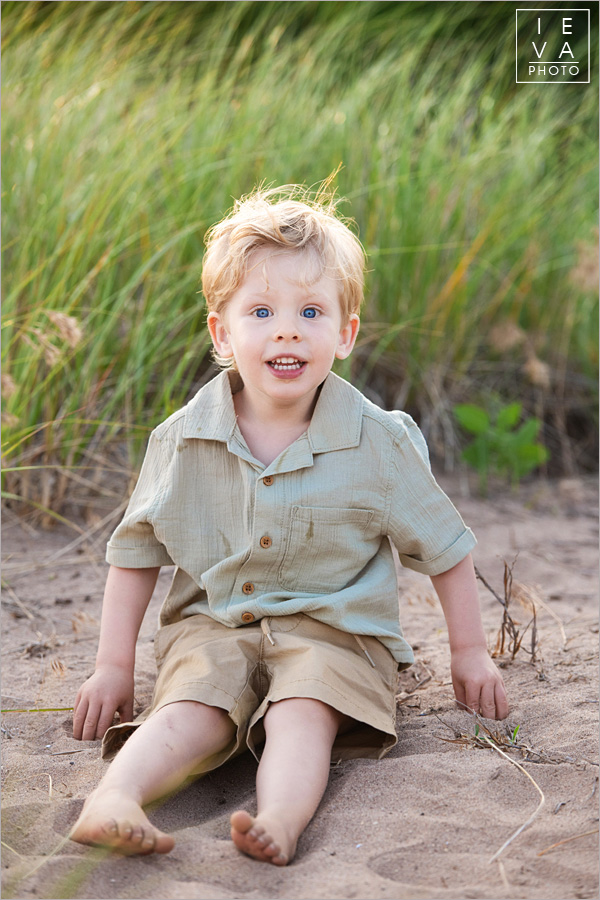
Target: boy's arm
{"points": [[110, 688], [477, 682]]}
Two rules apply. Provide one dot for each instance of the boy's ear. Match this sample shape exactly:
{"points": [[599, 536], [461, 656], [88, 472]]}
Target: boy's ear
{"points": [[219, 335], [347, 337]]}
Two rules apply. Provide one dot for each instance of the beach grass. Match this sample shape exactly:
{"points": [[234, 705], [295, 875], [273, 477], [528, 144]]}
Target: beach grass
{"points": [[129, 128]]}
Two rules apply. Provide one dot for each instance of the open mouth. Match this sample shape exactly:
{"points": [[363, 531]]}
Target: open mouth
{"points": [[286, 364]]}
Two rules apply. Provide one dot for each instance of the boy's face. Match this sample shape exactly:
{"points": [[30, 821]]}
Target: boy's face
{"points": [[284, 334]]}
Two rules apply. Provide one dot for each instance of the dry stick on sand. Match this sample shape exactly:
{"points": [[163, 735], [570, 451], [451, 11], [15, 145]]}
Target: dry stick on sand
{"points": [[22, 606], [41, 709], [12, 849], [567, 841], [62, 843], [505, 881], [494, 746], [536, 786], [508, 628]]}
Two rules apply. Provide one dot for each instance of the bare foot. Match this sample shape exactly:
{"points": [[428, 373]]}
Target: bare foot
{"points": [[111, 819], [264, 838]]}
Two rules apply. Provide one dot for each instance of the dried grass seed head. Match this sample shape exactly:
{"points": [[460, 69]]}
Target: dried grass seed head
{"points": [[285, 219]]}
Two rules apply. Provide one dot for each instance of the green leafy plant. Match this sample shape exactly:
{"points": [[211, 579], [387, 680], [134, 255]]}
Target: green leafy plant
{"points": [[500, 445]]}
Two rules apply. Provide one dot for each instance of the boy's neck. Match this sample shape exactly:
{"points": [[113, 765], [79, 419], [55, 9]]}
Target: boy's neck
{"points": [[267, 413], [268, 427]]}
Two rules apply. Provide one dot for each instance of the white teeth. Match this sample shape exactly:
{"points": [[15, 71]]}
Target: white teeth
{"points": [[286, 363]]}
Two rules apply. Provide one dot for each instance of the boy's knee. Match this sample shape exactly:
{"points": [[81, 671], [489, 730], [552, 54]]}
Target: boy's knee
{"points": [[190, 712], [305, 710]]}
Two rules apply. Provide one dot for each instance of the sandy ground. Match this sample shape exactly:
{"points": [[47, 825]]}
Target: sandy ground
{"points": [[422, 823]]}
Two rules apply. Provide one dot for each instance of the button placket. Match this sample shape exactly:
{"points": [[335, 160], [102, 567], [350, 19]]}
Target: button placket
{"points": [[263, 517]]}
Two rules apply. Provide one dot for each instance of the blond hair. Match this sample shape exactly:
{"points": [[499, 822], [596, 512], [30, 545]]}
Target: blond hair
{"points": [[287, 218]]}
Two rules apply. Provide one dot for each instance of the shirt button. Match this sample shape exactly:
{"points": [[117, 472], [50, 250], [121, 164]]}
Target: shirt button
{"points": [[247, 617], [248, 588], [265, 542], [268, 480]]}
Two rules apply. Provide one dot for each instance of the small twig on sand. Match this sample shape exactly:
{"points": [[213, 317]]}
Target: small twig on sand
{"points": [[40, 709], [22, 606], [62, 843], [556, 618], [594, 788], [490, 588], [567, 840], [536, 786], [505, 881], [510, 638], [49, 777], [12, 849], [68, 752]]}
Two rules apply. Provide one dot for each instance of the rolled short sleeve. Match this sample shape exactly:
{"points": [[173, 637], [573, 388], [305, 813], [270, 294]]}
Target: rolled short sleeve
{"points": [[134, 544], [424, 525]]}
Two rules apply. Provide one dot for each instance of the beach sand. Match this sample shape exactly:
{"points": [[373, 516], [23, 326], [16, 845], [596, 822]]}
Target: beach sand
{"points": [[422, 823]]}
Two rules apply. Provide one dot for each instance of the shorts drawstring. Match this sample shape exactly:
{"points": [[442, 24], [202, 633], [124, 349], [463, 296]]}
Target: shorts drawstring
{"points": [[361, 644], [264, 627]]}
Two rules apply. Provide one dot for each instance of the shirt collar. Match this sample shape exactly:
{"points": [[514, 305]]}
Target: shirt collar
{"points": [[335, 425], [210, 415], [337, 420]]}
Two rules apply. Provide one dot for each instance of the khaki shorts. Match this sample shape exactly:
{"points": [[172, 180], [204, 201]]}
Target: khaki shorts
{"points": [[242, 670]]}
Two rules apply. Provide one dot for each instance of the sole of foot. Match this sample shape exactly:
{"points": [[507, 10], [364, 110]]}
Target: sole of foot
{"points": [[119, 824]]}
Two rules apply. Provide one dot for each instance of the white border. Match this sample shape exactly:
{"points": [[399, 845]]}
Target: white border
{"points": [[553, 9]]}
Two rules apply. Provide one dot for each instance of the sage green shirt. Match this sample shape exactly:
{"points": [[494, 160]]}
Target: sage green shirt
{"points": [[309, 533]]}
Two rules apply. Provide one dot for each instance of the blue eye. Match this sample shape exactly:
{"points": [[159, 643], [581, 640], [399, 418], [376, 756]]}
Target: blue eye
{"points": [[262, 312], [309, 313]]}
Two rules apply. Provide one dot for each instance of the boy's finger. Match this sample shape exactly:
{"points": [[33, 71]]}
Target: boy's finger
{"points": [[459, 693], [105, 720], [472, 697], [487, 701], [501, 701], [90, 722], [79, 715], [126, 711]]}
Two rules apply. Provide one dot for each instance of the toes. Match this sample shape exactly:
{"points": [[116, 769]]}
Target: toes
{"points": [[272, 849], [164, 843], [242, 821], [251, 837], [148, 843], [137, 835], [147, 840], [129, 834], [110, 829], [142, 841], [126, 838]]}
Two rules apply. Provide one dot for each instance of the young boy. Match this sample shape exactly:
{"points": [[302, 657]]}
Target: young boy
{"points": [[274, 493]]}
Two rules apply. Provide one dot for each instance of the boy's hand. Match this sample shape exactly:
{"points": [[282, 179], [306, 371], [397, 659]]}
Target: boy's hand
{"points": [[477, 682], [478, 685], [109, 690]]}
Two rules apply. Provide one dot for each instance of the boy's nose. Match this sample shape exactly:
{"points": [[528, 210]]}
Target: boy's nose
{"points": [[287, 331]]}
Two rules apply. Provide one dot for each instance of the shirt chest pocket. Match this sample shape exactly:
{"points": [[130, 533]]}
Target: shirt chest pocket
{"points": [[326, 548]]}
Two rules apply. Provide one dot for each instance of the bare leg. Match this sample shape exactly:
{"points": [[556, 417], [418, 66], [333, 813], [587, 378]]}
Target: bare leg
{"points": [[291, 779], [156, 759]]}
